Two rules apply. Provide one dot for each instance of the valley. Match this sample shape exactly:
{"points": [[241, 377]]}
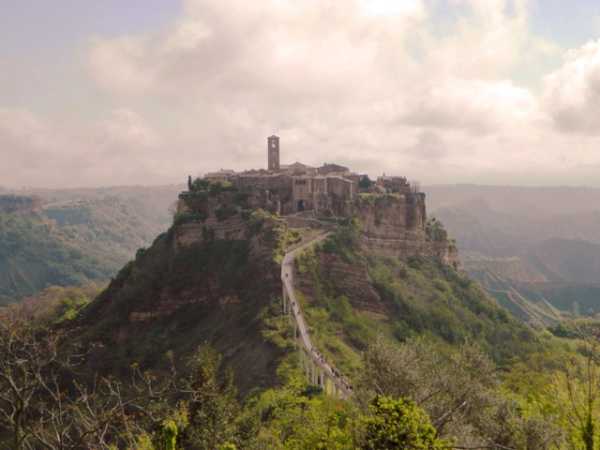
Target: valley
{"points": [[537, 250], [71, 237]]}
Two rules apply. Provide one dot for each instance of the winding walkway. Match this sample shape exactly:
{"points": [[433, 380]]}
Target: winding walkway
{"points": [[321, 370]]}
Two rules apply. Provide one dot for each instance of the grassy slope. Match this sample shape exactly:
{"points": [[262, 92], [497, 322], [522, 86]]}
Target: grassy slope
{"points": [[420, 298]]}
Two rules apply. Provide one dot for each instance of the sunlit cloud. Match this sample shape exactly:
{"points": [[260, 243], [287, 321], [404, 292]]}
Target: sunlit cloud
{"points": [[369, 83]]}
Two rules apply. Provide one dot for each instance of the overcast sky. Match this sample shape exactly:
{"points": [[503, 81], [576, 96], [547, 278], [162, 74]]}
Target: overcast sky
{"points": [[120, 92]]}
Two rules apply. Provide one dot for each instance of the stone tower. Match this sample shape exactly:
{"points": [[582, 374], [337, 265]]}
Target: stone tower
{"points": [[273, 152]]}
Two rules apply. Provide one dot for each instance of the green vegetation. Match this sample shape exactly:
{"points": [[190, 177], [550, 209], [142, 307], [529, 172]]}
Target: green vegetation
{"points": [[72, 241], [192, 341], [33, 255], [214, 188], [365, 182], [224, 212], [399, 424], [189, 217], [273, 230], [418, 394], [421, 297], [195, 407], [344, 241], [427, 298], [17, 203], [435, 231], [171, 298]]}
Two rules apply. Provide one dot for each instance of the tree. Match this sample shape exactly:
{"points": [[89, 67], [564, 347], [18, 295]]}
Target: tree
{"points": [[24, 360], [457, 389], [212, 404], [294, 417], [365, 183], [43, 405], [399, 424], [581, 380], [435, 230]]}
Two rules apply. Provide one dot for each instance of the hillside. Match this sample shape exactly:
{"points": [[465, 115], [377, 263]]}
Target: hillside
{"points": [[351, 295], [214, 277], [33, 255], [71, 237], [368, 290], [178, 294]]}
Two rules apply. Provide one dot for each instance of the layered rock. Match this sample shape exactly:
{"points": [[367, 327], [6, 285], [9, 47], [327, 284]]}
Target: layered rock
{"points": [[396, 225], [352, 281]]}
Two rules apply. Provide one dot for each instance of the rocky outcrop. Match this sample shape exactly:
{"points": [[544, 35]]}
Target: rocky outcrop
{"points": [[392, 216], [348, 279], [191, 233], [413, 246], [395, 225], [352, 281]]}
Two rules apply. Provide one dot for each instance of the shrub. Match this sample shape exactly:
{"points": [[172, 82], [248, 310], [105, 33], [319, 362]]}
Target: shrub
{"points": [[187, 217], [435, 230], [399, 424], [224, 212]]}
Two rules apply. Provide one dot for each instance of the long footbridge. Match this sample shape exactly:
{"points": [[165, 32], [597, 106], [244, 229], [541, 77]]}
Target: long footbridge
{"points": [[318, 370]]}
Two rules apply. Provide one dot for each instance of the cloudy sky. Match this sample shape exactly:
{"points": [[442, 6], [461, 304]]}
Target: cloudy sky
{"points": [[444, 91]]}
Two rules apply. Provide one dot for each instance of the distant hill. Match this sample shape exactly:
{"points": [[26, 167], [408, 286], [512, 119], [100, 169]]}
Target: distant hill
{"points": [[531, 248], [35, 254], [566, 260], [70, 237]]}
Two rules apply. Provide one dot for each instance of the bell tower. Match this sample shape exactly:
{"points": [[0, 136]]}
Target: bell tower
{"points": [[273, 152]]}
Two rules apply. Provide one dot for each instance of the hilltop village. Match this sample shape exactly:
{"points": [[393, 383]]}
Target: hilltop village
{"points": [[294, 188], [391, 211]]}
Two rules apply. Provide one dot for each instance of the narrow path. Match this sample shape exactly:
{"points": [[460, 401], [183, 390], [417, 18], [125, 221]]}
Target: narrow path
{"points": [[287, 278]]}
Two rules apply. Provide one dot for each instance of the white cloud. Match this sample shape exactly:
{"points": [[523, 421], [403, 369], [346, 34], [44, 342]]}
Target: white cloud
{"points": [[370, 83], [121, 149], [572, 93], [127, 128], [477, 106]]}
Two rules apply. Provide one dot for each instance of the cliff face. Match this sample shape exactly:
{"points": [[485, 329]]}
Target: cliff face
{"points": [[391, 216], [350, 279], [396, 225]]}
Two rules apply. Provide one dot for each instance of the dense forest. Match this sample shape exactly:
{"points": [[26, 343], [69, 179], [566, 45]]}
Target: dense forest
{"points": [[71, 237]]}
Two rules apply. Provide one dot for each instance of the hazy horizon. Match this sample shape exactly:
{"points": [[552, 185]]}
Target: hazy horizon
{"points": [[497, 92], [182, 184]]}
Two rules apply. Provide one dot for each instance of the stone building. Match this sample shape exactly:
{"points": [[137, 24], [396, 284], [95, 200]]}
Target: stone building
{"points": [[293, 188], [392, 212], [273, 153], [220, 176], [394, 184]]}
